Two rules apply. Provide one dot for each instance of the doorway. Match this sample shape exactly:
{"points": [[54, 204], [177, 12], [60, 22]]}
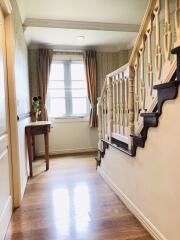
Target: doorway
{"points": [[5, 152]]}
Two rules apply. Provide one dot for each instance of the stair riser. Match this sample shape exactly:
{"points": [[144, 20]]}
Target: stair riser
{"points": [[151, 122], [166, 94]]}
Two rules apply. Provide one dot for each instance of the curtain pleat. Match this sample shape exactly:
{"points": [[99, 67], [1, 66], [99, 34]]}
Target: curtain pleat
{"points": [[90, 62], [43, 66]]}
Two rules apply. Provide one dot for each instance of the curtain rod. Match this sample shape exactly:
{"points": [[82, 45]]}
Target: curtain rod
{"points": [[68, 52]]}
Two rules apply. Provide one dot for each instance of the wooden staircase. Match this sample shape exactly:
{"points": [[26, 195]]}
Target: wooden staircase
{"points": [[130, 103], [166, 91]]}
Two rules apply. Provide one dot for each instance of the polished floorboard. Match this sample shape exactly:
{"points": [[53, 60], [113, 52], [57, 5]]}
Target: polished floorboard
{"points": [[72, 202]]}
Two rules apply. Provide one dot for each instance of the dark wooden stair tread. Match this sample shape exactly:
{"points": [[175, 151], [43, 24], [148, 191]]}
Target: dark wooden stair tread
{"points": [[149, 114], [138, 137], [167, 85], [175, 50]]}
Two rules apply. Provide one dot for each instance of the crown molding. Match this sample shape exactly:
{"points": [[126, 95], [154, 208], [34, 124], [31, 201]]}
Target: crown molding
{"points": [[111, 49], [100, 26]]}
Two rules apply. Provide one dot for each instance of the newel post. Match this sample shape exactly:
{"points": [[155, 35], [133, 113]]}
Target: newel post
{"points": [[110, 107], [100, 130], [131, 105]]}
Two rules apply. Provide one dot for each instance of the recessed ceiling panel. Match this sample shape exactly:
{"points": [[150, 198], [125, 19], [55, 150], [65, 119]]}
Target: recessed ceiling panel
{"points": [[68, 38]]}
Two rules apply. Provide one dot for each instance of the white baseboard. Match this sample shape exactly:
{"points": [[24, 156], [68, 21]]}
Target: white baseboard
{"points": [[155, 233], [5, 218], [69, 151]]}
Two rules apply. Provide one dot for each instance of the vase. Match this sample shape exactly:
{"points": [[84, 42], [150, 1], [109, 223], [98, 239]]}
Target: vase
{"points": [[36, 116]]}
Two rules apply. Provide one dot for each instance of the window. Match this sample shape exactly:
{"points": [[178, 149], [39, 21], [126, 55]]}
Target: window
{"points": [[67, 90]]}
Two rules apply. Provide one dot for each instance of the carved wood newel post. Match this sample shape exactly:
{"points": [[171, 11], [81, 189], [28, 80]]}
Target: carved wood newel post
{"points": [[142, 80], [110, 107], [125, 106], [100, 133], [131, 105], [104, 114]]}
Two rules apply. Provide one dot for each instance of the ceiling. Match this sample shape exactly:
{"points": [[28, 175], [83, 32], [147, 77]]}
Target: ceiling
{"points": [[107, 25]]}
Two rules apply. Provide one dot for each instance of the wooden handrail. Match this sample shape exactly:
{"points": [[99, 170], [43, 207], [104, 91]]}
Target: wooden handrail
{"points": [[142, 30], [117, 71]]}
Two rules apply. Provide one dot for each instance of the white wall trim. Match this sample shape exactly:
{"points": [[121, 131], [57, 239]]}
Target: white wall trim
{"points": [[5, 218], [120, 137], [155, 233], [10, 48], [69, 120], [70, 151], [66, 24]]}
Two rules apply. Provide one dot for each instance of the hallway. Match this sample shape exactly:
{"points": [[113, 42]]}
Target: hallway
{"points": [[71, 201]]}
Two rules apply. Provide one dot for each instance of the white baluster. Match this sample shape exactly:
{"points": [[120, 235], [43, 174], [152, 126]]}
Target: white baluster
{"points": [[110, 108], [136, 90], [149, 50], [167, 33], [158, 58], [126, 106], [122, 104], [118, 104], [142, 80], [114, 104]]}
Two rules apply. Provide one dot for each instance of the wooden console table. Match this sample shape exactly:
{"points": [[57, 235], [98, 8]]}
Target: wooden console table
{"points": [[37, 128]]}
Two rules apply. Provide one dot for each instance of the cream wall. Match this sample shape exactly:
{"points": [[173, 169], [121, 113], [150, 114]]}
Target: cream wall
{"points": [[108, 62], [149, 182], [69, 136], [22, 91]]}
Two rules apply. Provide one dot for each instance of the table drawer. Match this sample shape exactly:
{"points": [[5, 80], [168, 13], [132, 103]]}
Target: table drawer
{"points": [[37, 130]]}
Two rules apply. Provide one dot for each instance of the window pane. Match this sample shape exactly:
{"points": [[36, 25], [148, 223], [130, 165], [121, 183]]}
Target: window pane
{"points": [[56, 84], [57, 107], [57, 71], [79, 93], [77, 71], [79, 106], [78, 84], [56, 93]]}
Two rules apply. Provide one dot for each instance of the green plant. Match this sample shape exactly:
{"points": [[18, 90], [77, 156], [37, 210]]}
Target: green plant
{"points": [[36, 104]]}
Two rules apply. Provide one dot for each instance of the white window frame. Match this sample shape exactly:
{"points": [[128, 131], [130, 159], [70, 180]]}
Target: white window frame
{"points": [[68, 94]]}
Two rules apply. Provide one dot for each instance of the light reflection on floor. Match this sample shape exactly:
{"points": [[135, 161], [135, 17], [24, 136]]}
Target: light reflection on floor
{"points": [[72, 202], [71, 207], [82, 207]]}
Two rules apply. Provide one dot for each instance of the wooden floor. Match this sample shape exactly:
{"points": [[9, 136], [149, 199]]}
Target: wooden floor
{"points": [[71, 201]]}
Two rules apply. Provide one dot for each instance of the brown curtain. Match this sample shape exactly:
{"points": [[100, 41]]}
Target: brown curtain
{"points": [[90, 62], [43, 67]]}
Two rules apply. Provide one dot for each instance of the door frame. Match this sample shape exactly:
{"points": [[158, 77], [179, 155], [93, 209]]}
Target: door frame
{"points": [[11, 95]]}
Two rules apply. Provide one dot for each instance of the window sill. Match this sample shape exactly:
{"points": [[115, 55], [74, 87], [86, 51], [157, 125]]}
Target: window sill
{"points": [[69, 119]]}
